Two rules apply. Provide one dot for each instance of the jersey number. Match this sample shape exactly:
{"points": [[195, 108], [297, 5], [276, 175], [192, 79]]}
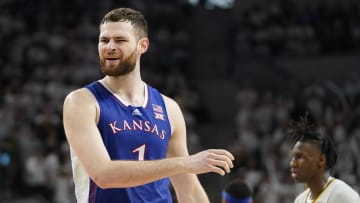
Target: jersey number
{"points": [[141, 152]]}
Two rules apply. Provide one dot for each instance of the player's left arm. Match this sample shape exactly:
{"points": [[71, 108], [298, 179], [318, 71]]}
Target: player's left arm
{"points": [[187, 186]]}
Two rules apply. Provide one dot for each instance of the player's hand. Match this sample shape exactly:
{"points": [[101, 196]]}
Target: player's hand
{"points": [[211, 160]]}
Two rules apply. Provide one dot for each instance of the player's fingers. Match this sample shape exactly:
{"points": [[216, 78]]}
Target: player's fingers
{"points": [[217, 170], [228, 161], [220, 163], [222, 157], [222, 152], [225, 159]]}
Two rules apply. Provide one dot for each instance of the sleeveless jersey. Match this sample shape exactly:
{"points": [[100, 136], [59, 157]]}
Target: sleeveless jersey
{"points": [[335, 191], [129, 133]]}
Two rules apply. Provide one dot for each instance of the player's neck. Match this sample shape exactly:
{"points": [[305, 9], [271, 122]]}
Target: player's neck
{"points": [[317, 185], [130, 88]]}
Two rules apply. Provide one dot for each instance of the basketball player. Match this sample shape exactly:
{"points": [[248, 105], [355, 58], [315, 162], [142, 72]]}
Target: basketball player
{"points": [[127, 140], [312, 158], [236, 192]]}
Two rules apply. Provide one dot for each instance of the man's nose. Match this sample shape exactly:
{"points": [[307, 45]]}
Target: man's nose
{"points": [[292, 163], [111, 45]]}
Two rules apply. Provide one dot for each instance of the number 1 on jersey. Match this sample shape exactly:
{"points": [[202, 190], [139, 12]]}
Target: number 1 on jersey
{"points": [[141, 152]]}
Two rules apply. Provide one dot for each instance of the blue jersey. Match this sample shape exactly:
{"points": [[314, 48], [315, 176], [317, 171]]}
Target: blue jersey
{"points": [[129, 133]]}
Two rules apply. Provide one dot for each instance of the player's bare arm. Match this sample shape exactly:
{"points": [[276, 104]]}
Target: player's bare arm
{"points": [[80, 123]]}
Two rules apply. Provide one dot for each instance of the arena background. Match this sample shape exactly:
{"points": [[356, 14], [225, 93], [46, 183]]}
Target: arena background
{"points": [[239, 69]]}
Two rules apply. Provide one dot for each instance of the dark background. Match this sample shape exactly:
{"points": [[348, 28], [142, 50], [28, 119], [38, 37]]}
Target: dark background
{"points": [[241, 70]]}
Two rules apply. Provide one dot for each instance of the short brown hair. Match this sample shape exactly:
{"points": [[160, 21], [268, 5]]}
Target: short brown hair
{"points": [[136, 18]]}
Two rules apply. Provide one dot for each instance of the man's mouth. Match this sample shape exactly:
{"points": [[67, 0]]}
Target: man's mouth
{"points": [[294, 172], [113, 60]]}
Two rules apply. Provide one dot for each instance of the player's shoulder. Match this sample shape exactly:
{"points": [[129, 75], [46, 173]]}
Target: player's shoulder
{"points": [[171, 104], [79, 96], [343, 184], [344, 190], [78, 93], [168, 99]]}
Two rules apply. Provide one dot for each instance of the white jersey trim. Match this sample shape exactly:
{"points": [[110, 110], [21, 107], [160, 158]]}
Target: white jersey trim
{"points": [[146, 97]]}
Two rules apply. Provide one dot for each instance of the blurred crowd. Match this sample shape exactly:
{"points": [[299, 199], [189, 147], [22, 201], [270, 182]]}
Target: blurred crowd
{"points": [[293, 28], [49, 48]]}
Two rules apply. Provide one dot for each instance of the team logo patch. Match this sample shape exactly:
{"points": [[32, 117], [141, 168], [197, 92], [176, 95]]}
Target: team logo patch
{"points": [[158, 112], [136, 112]]}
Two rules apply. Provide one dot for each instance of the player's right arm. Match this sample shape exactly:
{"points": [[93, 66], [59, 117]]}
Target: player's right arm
{"points": [[80, 114]]}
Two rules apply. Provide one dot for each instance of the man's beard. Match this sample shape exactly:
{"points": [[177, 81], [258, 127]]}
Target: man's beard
{"points": [[124, 67]]}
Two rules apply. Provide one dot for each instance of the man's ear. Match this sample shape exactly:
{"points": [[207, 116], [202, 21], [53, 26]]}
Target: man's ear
{"points": [[322, 161], [143, 45]]}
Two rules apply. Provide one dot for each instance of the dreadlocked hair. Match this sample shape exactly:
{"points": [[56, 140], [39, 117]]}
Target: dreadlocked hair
{"points": [[303, 131]]}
